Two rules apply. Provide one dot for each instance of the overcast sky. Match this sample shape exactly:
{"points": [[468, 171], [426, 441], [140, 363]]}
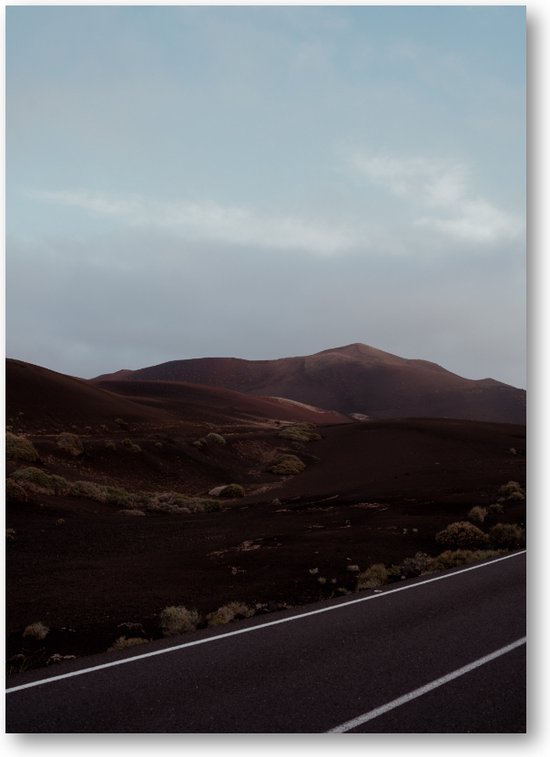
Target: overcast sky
{"points": [[262, 182]]}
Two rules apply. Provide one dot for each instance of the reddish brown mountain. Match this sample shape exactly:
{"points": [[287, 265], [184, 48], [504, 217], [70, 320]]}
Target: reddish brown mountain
{"points": [[217, 404], [39, 398], [352, 379]]}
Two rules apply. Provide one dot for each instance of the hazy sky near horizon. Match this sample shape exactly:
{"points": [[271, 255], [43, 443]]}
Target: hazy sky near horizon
{"points": [[262, 182]]}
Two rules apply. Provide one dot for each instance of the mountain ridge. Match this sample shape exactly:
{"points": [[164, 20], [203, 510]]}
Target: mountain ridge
{"points": [[353, 378]]}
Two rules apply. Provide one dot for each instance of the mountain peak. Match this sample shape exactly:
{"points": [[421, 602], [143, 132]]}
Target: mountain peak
{"points": [[353, 378]]}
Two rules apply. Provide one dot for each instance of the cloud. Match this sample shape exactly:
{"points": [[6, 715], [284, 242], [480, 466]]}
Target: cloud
{"points": [[440, 196], [230, 224], [476, 221]]}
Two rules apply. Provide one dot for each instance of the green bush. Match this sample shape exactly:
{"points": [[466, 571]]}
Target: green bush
{"points": [[174, 502], [35, 481], [70, 443], [20, 448], [213, 438], [202, 505], [299, 433], [118, 496], [507, 536], [376, 575], [89, 490], [288, 465], [462, 535], [178, 619]]}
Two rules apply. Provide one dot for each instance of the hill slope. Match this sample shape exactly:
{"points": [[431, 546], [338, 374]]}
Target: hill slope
{"points": [[39, 398], [351, 379]]}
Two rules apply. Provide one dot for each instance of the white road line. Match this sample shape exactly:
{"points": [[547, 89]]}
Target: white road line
{"points": [[351, 724], [258, 627]]}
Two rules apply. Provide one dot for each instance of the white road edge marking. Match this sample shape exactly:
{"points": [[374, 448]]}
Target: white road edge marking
{"points": [[259, 627], [361, 719]]}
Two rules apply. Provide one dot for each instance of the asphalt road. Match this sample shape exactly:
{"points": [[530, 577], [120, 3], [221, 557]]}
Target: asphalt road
{"points": [[445, 655]]}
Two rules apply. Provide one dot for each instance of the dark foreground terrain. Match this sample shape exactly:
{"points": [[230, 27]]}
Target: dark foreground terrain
{"points": [[111, 514]]}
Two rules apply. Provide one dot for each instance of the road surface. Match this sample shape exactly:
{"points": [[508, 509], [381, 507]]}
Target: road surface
{"points": [[440, 654]]}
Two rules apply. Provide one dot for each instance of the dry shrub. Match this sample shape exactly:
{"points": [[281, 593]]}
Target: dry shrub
{"points": [[376, 575], [416, 565], [11, 534], [37, 631], [507, 536], [512, 492], [20, 448], [288, 465], [124, 642], [462, 535], [178, 619], [134, 511], [70, 443], [478, 514], [229, 612], [456, 558]]}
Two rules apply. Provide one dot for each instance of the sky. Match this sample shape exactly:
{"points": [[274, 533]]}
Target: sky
{"points": [[263, 182]]}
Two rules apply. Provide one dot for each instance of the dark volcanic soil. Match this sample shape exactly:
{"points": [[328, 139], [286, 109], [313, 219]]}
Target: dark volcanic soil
{"points": [[371, 492]]}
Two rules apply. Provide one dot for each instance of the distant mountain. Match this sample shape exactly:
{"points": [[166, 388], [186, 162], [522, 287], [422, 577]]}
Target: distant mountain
{"points": [[40, 398], [216, 404], [351, 379]]}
